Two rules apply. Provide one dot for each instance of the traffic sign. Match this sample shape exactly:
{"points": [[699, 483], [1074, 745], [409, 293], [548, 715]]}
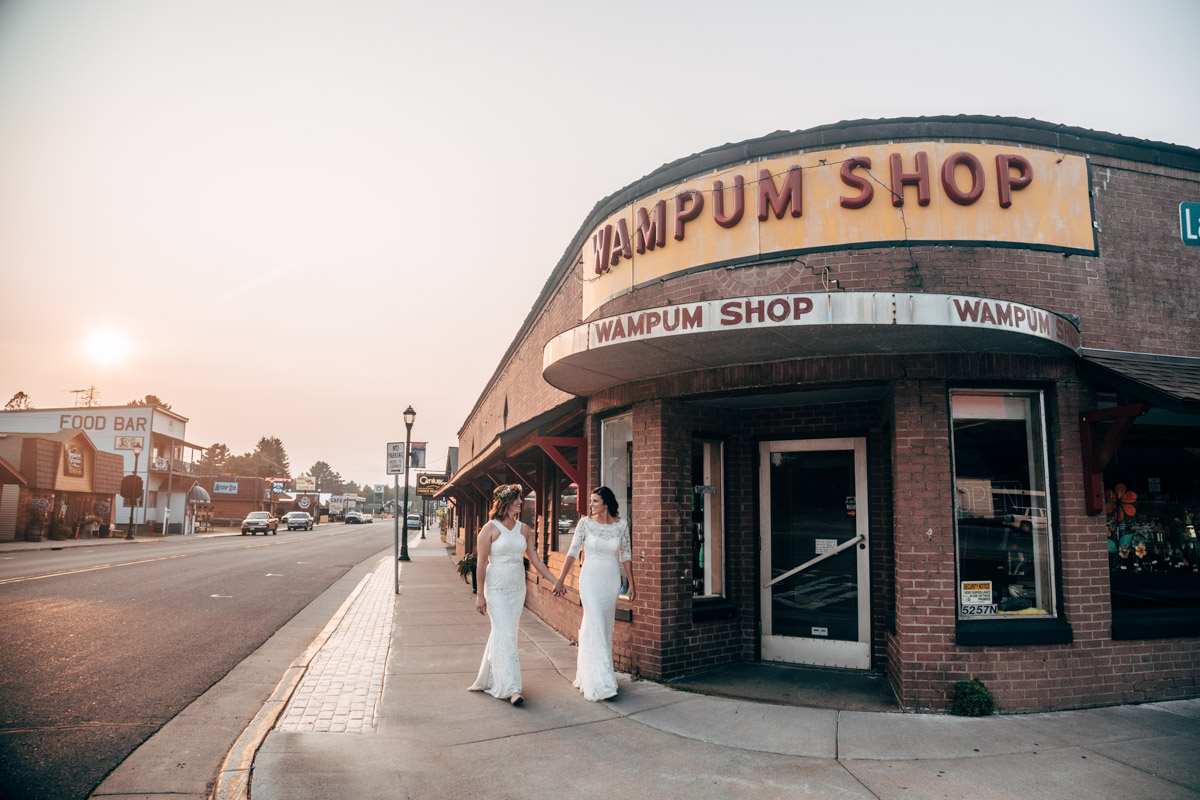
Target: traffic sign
{"points": [[395, 458]]}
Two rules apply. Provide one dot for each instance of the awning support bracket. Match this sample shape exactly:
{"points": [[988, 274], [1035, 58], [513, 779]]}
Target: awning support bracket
{"points": [[1096, 456], [576, 472]]}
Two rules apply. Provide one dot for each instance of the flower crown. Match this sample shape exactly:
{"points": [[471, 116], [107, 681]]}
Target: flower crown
{"points": [[508, 492]]}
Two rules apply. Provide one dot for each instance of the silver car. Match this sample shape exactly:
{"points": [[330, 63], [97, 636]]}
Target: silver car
{"points": [[298, 520]]}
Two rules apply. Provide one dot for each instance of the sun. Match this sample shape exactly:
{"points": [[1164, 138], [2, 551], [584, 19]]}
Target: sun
{"points": [[106, 347]]}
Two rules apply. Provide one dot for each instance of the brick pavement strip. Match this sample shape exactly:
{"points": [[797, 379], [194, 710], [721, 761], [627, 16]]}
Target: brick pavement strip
{"points": [[343, 685]]}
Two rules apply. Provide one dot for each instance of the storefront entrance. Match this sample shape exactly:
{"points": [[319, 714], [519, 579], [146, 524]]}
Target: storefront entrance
{"points": [[815, 594]]}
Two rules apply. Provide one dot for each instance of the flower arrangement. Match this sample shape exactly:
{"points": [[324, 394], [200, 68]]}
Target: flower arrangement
{"points": [[39, 509], [508, 492]]}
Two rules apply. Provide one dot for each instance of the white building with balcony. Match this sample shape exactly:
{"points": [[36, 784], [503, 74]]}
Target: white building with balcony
{"points": [[168, 464]]}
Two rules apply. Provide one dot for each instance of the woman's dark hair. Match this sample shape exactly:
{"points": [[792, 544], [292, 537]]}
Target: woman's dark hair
{"points": [[608, 498]]}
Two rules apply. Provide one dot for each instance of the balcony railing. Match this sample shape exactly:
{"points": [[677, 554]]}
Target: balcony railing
{"points": [[179, 467]]}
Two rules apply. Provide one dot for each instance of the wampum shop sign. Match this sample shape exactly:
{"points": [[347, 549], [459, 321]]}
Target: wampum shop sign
{"points": [[911, 193]]}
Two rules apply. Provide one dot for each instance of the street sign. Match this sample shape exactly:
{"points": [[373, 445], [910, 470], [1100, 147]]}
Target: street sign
{"points": [[1189, 223], [131, 489], [395, 458], [429, 483]]}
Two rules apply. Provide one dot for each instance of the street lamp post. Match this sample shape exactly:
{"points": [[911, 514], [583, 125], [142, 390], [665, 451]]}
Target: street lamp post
{"points": [[409, 417], [137, 452]]}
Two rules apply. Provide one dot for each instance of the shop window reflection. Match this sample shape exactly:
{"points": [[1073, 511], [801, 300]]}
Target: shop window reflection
{"points": [[1003, 525]]}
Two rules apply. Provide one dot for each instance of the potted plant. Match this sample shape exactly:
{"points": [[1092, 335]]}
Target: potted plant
{"points": [[38, 509], [466, 568]]}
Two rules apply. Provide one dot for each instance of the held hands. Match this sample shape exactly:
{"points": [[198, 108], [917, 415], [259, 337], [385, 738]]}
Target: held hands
{"points": [[481, 605], [559, 588]]}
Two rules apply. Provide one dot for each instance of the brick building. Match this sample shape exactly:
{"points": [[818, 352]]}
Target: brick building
{"points": [[915, 396]]}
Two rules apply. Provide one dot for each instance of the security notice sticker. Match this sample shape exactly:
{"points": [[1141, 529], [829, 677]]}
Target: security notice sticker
{"points": [[977, 599]]}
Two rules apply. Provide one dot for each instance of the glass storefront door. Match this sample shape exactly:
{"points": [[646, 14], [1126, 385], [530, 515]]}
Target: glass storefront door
{"points": [[814, 545]]}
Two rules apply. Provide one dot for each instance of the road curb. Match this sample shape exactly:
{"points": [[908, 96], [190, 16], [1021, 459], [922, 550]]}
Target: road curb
{"points": [[233, 779]]}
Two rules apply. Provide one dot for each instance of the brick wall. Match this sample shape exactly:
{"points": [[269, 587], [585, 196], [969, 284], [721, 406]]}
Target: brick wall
{"points": [[1141, 293]]}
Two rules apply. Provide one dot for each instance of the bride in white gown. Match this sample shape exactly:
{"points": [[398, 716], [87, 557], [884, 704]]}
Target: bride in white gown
{"points": [[605, 538], [503, 544]]}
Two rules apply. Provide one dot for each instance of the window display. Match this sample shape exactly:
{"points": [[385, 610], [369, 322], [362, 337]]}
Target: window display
{"points": [[1002, 509], [1152, 510]]}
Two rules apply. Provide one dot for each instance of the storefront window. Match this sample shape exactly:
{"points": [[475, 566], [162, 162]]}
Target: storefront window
{"points": [[1152, 507], [708, 528], [529, 511], [616, 449], [566, 512], [616, 467], [1003, 523]]}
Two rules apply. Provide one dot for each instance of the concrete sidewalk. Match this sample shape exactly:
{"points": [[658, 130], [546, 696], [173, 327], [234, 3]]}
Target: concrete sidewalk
{"points": [[426, 737]]}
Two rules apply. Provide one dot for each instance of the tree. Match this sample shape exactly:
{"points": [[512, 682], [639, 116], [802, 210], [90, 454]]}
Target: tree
{"points": [[245, 465], [87, 397], [271, 451], [150, 400], [215, 459], [327, 480], [19, 402]]}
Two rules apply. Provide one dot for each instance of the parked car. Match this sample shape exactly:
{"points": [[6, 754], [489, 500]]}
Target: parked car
{"points": [[353, 517], [1027, 518], [257, 521], [366, 517], [414, 521], [298, 521]]}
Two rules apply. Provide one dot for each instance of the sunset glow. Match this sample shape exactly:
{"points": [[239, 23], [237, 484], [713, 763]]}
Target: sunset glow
{"points": [[107, 347]]}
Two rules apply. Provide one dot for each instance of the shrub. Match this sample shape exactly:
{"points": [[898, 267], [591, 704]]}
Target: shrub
{"points": [[972, 699], [466, 567]]}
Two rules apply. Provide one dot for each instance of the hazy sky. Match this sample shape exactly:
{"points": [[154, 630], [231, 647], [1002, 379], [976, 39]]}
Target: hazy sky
{"points": [[294, 218]]}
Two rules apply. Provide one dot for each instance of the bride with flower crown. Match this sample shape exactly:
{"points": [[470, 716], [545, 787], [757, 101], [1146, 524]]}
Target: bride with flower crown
{"points": [[503, 544]]}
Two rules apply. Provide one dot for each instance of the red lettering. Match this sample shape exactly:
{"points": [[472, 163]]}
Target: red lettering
{"points": [[651, 228], [974, 166], [653, 318], [986, 314], [731, 314], [920, 178], [671, 323], [755, 309], [801, 306], [778, 200], [1039, 322], [618, 329], [693, 318], [601, 249], [778, 309], [622, 247], [603, 330], [968, 310], [684, 212], [1004, 179], [739, 202], [1004, 315], [865, 190], [635, 326]]}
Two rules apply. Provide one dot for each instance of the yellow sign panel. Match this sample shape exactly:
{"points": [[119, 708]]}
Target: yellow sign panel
{"points": [[877, 195]]}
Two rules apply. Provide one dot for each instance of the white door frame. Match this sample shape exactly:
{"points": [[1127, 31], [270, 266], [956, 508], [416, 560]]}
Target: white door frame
{"points": [[817, 651]]}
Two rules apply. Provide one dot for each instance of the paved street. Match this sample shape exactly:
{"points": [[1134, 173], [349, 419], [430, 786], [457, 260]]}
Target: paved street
{"points": [[102, 645]]}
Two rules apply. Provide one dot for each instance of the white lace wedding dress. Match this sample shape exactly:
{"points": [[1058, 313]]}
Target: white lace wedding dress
{"points": [[599, 585], [504, 591]]}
